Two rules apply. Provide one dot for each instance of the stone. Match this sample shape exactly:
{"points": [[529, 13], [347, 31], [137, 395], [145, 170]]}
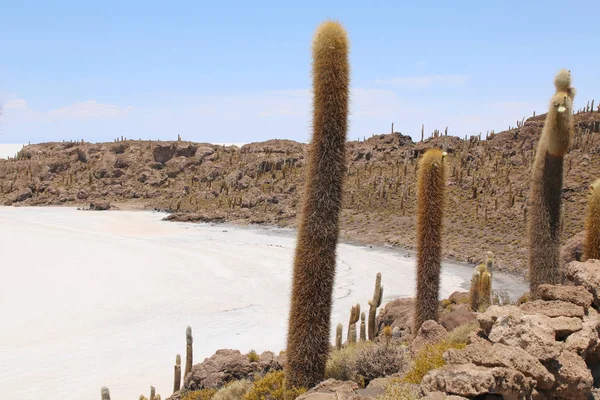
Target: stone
{"points": [[469, 380], [20, 196], [586, 274], [552, 308], [573, 249], [332, 389], [586, 342], [430, 333], [442, 396], [530, 332], [398, 313], [564, 326], [573, 294], [228, 365], [500, 355], [456, 318], [573, 378], [488, 318], [100, 205], [459, 298]]}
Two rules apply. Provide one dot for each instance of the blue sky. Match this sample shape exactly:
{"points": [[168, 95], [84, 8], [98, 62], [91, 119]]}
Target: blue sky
{"points": [[240, 71]]}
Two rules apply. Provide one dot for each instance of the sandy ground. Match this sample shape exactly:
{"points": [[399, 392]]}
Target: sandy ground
{"points": [[91, 299]]}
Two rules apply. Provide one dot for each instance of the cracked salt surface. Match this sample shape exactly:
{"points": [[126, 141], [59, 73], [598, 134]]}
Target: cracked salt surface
{"points": [[92, 299]]}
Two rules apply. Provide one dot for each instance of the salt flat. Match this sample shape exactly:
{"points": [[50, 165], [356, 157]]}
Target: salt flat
{"points": [[91, 299]]}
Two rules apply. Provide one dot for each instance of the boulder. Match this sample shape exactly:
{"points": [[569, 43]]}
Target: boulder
{"points": [[500, 355], [530, 332], [456, 318], [586, 342], [20, 196], [573, 294], [459, 298], [226, 366], [488, 318], [469, 380], [100, 205], [332, 389], [442, 396], [573, 249], [430, 333], [586, 274], [398, 313], [573, 378], [564, 326], [552, 308]]}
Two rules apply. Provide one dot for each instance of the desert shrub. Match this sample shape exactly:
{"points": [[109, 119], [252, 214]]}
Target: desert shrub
{"points": [[380, 360], [523, 299], [428, 358], [272, 387], [397, 390], [461, 333], [501, 298], [253, 356], [233, 391], [365, 361], [204, 394]]}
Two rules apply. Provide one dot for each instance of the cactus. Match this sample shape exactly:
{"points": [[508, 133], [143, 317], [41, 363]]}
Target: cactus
{"points": [[373, 304], [480, 293], [354, 316], [188, 351], [592, 224], [152, 393], [363, 327], [318, 227], [105, 393], [431, 184], [352, 338], [177, 378], [338, 336], [546, 187], [489, 263]]}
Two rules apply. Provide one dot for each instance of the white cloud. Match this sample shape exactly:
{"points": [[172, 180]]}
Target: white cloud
{"points": [[422, 81], [17, 104], [89, 109]]}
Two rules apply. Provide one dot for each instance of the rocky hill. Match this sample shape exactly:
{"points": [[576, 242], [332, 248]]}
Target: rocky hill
{"points": [[488, 184]]}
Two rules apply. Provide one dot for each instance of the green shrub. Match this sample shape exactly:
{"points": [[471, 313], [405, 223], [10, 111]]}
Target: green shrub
{"points": [[253, 356], [428, 358], [272, 387], [204, 394], [234, 390]]}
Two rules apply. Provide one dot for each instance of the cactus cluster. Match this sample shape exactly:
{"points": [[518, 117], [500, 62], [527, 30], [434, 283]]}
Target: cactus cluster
{"points": [[354, 316], [480, 293]]}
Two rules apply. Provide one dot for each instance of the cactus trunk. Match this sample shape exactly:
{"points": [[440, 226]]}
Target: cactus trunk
{"points": [[431, 186], [592, 224], [546, 188], [318, 228], [105, 393], [373, 304], [363, 328], [177, 377], [188, 351], [338, 336]]}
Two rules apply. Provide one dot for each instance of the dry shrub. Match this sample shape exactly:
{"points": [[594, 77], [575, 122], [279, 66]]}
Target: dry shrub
{"points": [[428, 358], [397, 390], [461, 333], [272, 387], [365, 361], [253, 356], [234, 390], [204, 394]]}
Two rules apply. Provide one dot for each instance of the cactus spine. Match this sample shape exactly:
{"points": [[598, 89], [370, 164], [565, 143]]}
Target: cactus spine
{"points": [[177, 377], [338, 336], [354, 316], [363, 327], [431, 186], [592, 224], [188, 351], [546, 187], [318, 228], [373, 304], [105, 393]]}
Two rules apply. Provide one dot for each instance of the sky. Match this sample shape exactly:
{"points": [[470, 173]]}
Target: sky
{"points": [[239, 71]]}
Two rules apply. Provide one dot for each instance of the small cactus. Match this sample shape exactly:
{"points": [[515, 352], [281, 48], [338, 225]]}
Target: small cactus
{"points": [[177, 378], [338, 336], [352, 338], [105, 393], [152, 393], [373, 304], [489, 263], [480, 293], [188, 351], [354, 316], [363, 327]]}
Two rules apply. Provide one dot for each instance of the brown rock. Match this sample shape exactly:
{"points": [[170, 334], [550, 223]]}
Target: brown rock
{"points": [[488, 318], [332, 389], [457, 317], [586, 274], [398, 313], [573, 249], [552, 308], [500, 355], [530, 332], [430, 333], [100, 205], [586, 341], [226, 366], [564, 326], [442, 396], [459, 298], [469, 380], [573, 294], [573, 378]]}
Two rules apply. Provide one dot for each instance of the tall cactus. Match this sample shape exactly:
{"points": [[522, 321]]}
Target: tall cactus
{"points": [[373, 304], [318, 227], [354, 316], [188, 351], [431, 187], [480, 293], [363, 327], [546, 187], [152, 393], [592, 224], [338, 336], [489, 263], [177, 377], [105, 393]]}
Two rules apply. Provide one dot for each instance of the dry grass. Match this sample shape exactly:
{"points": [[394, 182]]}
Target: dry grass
{"points": [[204, 394], [272, 387], [233, 391]]}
